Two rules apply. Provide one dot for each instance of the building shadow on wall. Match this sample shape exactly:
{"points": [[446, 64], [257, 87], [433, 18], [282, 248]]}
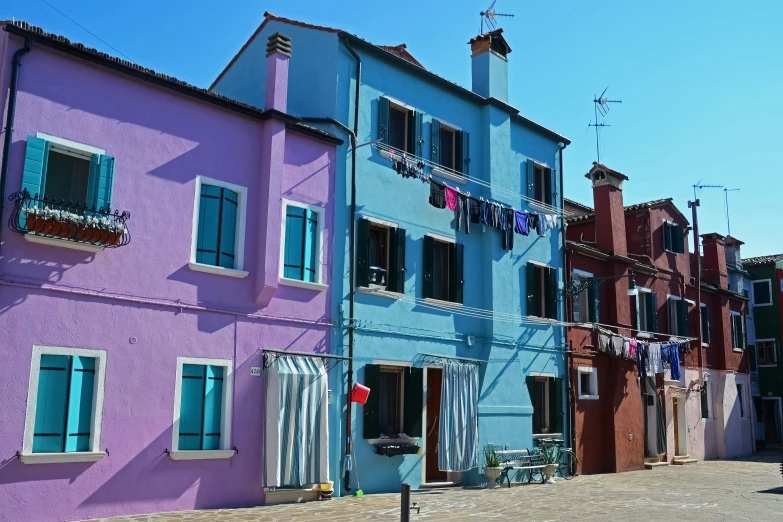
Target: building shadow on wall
{"points": [[12, 471]]}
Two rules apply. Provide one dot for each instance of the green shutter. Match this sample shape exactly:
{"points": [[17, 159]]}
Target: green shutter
{"points": [[311, 246], [191, 406], [531, 178], [294, 242], [80, 397], [593, 302], [208, 225], [383, 120], [427, 268], [459, 273], [532, 291], [555, 405], [35, 161], [228, 228], [551, 293], [458, 151], [213, 406], [742, 331], [704, 404], [413, 132], [667, 236], [435, 134], [51, 404], [414, 402], [372, 379], [452, 272], [419, 134], [92, 180], [531, 390], [465, 163], [362, 252], [396, 275], [679, 234], [104, 182], [575, 312], [652, 312], [392, 271]]}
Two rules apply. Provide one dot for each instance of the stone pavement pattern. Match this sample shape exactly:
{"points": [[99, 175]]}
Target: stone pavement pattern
{"points": [[750, 489]]}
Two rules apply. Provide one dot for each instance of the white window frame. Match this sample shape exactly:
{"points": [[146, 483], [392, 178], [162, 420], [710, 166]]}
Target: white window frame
{"points": [[644, 334], [593, 372], [320, 275], [239, 248], [732, 313], [575, 272], [753, 293], [94, 454], [774, 353], [225, 450], [72, 148]]}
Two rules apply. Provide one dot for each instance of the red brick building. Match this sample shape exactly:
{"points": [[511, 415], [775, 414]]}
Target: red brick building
{"points": [[620, 422]]}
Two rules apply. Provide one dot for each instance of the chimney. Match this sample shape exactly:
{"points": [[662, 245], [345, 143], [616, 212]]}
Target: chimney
{"points": [[609, 213], [489, 52], [278, 52], [714, 264]]}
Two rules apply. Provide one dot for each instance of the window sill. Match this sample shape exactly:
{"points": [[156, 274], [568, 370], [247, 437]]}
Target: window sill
{"points": [[403, 440], [442, 303], [644, 335], [56, 458], [537, 436], [318, 287], [705, 345], [449, 176], [201, 454], [737, 350], [382, 292], [217, 270], [768, 365], [63, 243], [588, 397]]}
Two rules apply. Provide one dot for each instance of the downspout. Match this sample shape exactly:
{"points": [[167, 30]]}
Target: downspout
{"points": [[566, 271], [9, 123]]}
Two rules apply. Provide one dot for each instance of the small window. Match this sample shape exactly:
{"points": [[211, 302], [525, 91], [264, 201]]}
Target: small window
{"points": [[380, 256], [302, 243], [540, 182], [767, 352], [218, 239], [737, 331], [390, 408], [541, 291], [450, 147], [678, 316], [673, 238], [646, 311], [399, 127], [762, 292], [586, 302], [546, 397], [741, 400], [396, 401], [443, 265], [705, 324], [588, 382]]}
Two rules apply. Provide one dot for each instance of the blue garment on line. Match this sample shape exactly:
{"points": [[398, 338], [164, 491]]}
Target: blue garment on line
{"points": [[520, 226]]}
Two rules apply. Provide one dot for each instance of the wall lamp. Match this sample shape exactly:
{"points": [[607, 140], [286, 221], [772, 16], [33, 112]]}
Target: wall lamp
{"points": [[575, 287]]}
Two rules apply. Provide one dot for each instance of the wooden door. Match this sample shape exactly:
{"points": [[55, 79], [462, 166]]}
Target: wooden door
{"points": [[676, 418], [434, 380]]}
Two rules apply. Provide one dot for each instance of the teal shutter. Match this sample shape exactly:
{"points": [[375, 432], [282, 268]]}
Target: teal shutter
{"points": [[682, 317], [208, 225], [104, 183], [35, 161], [465, 163], [295, 224], [427, 267], [396, 269], [51, 404], [593, 302], [667, 237], [414, 402], [458, 151], [452, 272], [550, 299], [548, 193], [435, 155], [383, 120], [191, 406], [531, 178], [372, 379], [555, 405], [413, 132], [532, 291], [652, 313], [362, 252], [459, 273], [228, 228], [310, 246], [419, 134], [531, 390], [80, 396], [92, 180], [213, 405]]}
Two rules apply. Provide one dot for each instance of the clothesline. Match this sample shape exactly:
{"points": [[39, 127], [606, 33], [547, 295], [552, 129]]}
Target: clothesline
{"points": [[644, 353], [676, 337]]}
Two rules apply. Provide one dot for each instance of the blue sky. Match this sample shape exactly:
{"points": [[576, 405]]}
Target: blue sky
{"points": [[701, 81]]}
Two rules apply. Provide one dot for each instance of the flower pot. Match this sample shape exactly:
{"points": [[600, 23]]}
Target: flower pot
{"points": [[102, 236], [31, 222], [89, 234], [63, 229], [492, 475], [549, 471], [114, 238], [48, 226]]}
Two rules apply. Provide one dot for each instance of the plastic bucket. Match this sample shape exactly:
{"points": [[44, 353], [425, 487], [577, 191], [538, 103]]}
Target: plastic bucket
{"points": [[360, 393]]}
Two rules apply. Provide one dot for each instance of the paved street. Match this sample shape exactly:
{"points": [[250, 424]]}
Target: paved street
{"points": [[749, 489]]}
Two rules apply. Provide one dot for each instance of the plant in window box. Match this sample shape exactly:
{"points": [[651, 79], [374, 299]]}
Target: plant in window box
{"points": [[116, 230], [48, 218], [492, 469], [549, 458], [33, 219], [89, 229]]}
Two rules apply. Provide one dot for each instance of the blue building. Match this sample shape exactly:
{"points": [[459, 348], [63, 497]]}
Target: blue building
{"points": [[456, 333]]}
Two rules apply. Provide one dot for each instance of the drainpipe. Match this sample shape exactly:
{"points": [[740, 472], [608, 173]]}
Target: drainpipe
{"points": [[9, 123], [566, 270]]}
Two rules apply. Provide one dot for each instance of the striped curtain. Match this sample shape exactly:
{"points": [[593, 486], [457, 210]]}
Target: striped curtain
{"points": [[458, 448], [296, 423]]}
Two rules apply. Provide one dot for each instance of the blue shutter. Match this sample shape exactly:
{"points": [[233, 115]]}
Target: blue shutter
{"points": [[35, 160], [465, 163], [213, 404], [294, 242], [49, 431], [310, 245], [80, 396], [435, 156], [191, 407], [208, 225], [104, 183], [228, 228], [383, 120], [531, 178]]}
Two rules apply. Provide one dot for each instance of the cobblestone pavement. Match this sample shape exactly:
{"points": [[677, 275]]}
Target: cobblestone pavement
{"points": [[750, 489]]}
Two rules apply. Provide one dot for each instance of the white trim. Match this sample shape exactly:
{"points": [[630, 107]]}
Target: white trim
{"points": [[542, 374], [201, 455], [239, 248], [454, 178], [447, 124], [444, 239], [538, 263], [774, 352], [381, 222], [581, 273], [318, 284], [399, 103], [59, 458], [593, 372], [644, 289], [97, 402], [401, 440], [225, 414], [692, 303], [62, 242], [753, 291], [388, 362], [675, 297], [71, 146], [217, 270]]}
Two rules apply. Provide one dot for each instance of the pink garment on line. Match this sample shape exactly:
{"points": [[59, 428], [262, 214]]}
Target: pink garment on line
{"points": [[632, 348], [451, 198]]}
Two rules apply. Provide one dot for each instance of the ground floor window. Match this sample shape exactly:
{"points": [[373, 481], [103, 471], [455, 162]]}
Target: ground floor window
{"points": [[395, 403], [546, 397], [588, 382]]}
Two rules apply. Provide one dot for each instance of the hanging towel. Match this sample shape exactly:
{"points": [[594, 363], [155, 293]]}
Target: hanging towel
{"points": [[437, 194], [532, 221], [520, 224], [451, 198], [626, 348], [617, 346], [458, 447], [604, 342], [551, 221], [656, 363]]}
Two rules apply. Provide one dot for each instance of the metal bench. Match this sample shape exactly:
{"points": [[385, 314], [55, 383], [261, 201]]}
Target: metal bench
{"points": [[513, 460]]}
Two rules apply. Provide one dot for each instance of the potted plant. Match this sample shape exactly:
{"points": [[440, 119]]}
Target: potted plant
{"points": [[549, 459], [32, 219], [88, 229], [115, 233], [492, 469]]}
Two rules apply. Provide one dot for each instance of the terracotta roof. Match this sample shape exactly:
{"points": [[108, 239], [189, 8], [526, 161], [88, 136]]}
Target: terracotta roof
{"points": [[762, 260], [578, 206], [400, 51], [630, 208]]}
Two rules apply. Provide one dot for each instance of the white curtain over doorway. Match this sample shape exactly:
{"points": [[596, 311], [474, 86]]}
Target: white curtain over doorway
{"points": [[458, 448]]}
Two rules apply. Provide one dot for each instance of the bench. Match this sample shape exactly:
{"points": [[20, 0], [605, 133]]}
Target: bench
{"points": [[512, 460]]}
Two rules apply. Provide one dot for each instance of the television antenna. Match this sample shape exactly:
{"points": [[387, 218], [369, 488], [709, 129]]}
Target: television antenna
{"points": [[490, 16], [726, 199], [601, 105]]}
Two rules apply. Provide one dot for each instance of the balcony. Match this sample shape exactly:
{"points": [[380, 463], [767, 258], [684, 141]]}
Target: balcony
{"points": [[73, 224]]}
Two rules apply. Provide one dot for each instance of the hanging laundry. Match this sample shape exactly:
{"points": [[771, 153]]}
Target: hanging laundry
{"points": [[674, 360], [632, 347], [654, 354], [474, 210], [508, 228], [520, 222], [462, 212], [532, 221], [551, 221], [437, 194], [641, 360], [495, 216], [485, 212], [626, 348], [617, 346], [541, 225], [604, 342], [451, 198]]}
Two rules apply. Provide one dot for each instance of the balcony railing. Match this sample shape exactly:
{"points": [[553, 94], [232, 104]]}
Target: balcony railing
{"points": [[68, 221]]}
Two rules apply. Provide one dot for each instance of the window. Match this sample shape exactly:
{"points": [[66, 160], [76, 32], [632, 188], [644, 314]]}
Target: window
{"points": [[399, 126], [450, 147], [741, 400], [762, 292], [302, 246], [541, 291], [395, 403], [443, 269], [588, 382], [678, 316], [64, 406], [767, 352], [673, 238], [586, 303], [705, 324], [219, 228], [737, 331], [380, 256], [68, 173], [646, 310], [540, 184], [546, 397], [202, 407], [706, 400]]}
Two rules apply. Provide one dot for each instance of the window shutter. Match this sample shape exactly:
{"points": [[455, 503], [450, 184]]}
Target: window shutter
{"points": [[35, 160], [103, 183], [555, 405], [419, 134], [398, 251], [80, 394], [372, 378], [532, 290], [742, 331], [191, 406], [228, 228], [362, 252], [531, 390], [671, 314], [679, 234], [435, 155], [575, 303], [51, 403], [391, 270], [295, 223], [213, 404], [465, 163], [549, 187], [667, 236], [682, 318], [414, 402], [593, 302], [383, 120], [310, 246], [531, 178], [705, 325], [413, 132], [429, 246], [459, 273], [551, 293], [458, 151], [208, 225], [652, 312]]}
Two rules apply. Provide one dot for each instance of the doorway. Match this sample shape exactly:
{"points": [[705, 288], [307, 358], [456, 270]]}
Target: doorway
{"points": [[651, 413], [432, 472], [678, 418], [771, 416]]}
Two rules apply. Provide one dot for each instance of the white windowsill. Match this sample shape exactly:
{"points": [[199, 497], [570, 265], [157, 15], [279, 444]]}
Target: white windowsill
{"points": [[318, 287], [56, 458], [449, 176], [403, 440], [768, 365], [442, 303], [381, 292], [737, 350], [705, 345], [201, 454], [547, 435], [63, 243], [217, 270], [588, 397]]}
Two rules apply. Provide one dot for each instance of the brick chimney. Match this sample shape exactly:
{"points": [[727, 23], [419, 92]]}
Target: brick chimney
{"points": [[609, 213], [278, 52], [714, 261], [489, 61]]}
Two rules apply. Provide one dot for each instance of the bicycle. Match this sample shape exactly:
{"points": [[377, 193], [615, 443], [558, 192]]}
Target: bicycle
{"points": [[567, 460]]}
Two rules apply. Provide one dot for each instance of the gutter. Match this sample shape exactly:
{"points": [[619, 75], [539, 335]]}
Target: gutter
{"points": [[569, 355]]}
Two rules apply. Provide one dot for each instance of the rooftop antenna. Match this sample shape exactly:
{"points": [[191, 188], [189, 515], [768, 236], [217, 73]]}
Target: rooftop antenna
{"points": [[489, 15], [726, 196], [600, 105]]}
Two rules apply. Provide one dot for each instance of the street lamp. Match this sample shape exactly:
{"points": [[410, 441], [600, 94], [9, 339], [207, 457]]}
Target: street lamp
{"points": [[574, 288], [632, 290]]}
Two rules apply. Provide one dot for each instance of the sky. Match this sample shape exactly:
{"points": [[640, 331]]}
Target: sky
{"points": [[701, 82]]}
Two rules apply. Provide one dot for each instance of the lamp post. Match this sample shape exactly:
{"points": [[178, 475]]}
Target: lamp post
{"points": [[574, 288]]}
